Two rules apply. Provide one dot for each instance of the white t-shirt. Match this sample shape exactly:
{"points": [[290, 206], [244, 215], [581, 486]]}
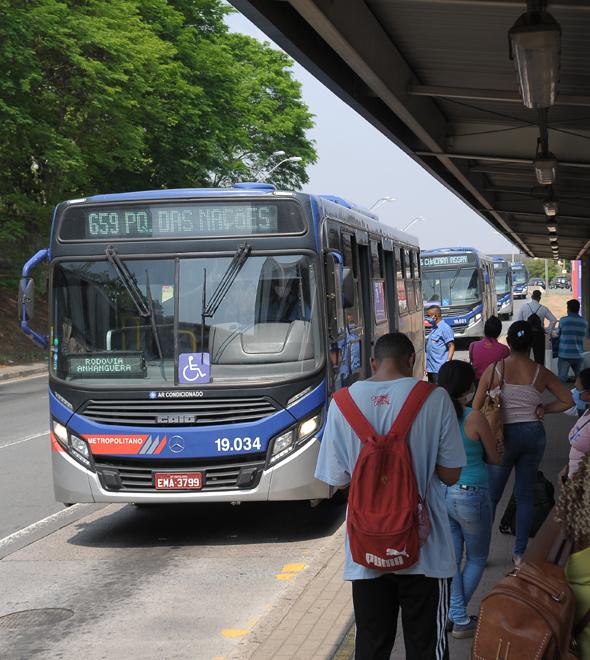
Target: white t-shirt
{"points": [[434, 439], [534, 307]]}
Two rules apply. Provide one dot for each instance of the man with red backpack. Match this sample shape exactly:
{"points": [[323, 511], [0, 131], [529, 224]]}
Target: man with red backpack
{"points": [[404, 448]]}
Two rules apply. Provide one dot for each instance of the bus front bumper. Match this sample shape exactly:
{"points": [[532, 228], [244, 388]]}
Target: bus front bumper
{"points": [[290, 479]]}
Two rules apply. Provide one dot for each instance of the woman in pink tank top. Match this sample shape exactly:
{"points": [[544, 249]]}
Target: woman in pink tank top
{"points": [[523, 383]]}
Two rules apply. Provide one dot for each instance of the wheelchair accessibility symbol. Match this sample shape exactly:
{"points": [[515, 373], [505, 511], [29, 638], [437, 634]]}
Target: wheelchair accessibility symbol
{"points": [[193, 368]]}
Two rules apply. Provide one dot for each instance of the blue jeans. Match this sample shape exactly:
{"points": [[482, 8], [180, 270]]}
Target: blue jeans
{"points": [[563, 368], [524, 444], [470, 516]]}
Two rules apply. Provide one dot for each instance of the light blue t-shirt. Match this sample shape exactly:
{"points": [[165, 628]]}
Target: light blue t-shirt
{"points": [[434, 439], [437, 346]]}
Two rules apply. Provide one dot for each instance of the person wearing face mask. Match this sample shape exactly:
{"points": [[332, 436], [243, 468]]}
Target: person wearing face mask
{"points": [[579, 435], [468, 502], [440, 343]]}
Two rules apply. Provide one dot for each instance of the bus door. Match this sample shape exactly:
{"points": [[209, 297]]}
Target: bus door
{"points": [[367, 338], [354, 363]]}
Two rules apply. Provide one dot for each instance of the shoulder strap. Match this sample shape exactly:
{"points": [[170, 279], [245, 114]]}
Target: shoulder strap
{"points": [[536, 374], [353, 415], [582, 623], [412, 406]]}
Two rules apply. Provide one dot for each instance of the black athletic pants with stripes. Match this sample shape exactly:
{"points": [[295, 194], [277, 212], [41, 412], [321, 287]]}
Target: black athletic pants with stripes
{"points": [[424, 604]]}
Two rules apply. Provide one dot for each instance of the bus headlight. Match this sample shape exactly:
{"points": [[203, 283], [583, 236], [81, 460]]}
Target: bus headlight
{"points": [[61, 433], [475, 319], [287, 442], [80, 451], [75, 447]]}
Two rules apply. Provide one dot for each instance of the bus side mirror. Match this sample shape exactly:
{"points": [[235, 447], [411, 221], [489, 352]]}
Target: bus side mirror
{"points": [[347, 288], [26, 299]]}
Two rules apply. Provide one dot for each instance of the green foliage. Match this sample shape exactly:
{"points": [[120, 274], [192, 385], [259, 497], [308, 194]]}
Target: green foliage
{"points": [[536, 268], [117, 95]]}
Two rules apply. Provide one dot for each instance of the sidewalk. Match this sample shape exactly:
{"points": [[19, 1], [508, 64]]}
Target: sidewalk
{"points": [[22, 370], [315, 621]]}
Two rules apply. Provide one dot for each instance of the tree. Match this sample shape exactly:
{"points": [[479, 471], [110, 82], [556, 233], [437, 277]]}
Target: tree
{"points": [[536, 268], [117, 95]]}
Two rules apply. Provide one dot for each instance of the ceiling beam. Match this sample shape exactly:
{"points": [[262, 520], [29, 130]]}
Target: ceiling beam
{"points": [[499, 159], [579, 218], [499, 95]]}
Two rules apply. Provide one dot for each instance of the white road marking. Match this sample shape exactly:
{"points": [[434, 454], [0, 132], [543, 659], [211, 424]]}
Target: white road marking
{"points": [[29, 437], [64, 513]]}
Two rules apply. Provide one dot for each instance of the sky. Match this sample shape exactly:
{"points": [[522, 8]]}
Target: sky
{"points": [[357, 162]]}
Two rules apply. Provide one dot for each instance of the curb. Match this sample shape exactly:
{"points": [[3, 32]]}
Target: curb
{"points": [[13, 375]]}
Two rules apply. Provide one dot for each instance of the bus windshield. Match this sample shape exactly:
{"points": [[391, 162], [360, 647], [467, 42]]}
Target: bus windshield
{"points": [[502, 280], [451, 286], [137, 329], [519, 276]]}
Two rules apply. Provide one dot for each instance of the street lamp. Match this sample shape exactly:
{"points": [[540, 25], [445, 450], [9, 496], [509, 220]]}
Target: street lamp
{"points": [[381, 201], [418, 219], [291, 159]]}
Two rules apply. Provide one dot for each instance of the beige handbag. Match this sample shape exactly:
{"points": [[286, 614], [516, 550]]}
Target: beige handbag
{"points": [[492, 408]]}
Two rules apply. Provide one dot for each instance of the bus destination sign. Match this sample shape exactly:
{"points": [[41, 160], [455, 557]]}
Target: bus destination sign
{"points": [[449, 260], [112, 364]]}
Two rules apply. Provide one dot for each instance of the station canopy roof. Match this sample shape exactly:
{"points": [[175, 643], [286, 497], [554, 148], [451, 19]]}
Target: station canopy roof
{"points": [[437, 78]]}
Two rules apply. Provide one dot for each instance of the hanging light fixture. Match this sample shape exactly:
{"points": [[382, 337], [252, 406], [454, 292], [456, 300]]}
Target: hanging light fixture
{"points": [[535, 46], [545, 169], [550, 206], [552, 226], [553, 239]]}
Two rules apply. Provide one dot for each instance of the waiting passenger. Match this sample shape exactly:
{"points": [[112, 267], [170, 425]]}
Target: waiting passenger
{"points": [[573, 510], [468, 502], [437, 454], [523, 383], [579, 435], [488, 350], [440, 343]]}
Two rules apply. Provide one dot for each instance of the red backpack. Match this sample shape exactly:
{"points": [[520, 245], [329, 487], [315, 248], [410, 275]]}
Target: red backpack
{"points": [[387, 520]]}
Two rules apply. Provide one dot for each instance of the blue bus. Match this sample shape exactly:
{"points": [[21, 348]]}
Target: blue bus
{"points": [[196, 337], [503, 276], [520, 280], [461, 281]]}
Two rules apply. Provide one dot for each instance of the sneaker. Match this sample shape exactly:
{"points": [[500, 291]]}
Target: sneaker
{"points": [[465, 630], [517, 561]]}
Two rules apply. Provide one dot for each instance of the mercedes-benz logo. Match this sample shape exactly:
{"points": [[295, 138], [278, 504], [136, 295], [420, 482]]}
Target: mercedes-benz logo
{"points": [[176, 444]]}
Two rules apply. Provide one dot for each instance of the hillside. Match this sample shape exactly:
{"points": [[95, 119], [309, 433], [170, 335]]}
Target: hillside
{"points": [[15, 346]]}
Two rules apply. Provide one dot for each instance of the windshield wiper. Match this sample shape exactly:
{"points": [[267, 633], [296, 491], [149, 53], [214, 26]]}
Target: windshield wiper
{"points": [[208, 309], [143, 304]]}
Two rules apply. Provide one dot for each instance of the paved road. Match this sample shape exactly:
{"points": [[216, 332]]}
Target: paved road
{"points": [[26, 489], [163, 582]]}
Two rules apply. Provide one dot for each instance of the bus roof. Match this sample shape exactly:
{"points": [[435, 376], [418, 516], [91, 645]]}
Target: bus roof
{"points": [[452, 249], [237, 190]]}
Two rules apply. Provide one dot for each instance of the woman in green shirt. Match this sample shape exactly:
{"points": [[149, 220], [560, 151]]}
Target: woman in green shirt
{"points": [[573, 509]]}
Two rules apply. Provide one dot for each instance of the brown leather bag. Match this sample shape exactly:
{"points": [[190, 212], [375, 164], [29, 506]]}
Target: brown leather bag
{"points": [[492, 408], [528, 614]]}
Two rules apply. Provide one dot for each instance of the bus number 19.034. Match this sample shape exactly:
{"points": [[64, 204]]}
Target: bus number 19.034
{"points": [[238, 444]]}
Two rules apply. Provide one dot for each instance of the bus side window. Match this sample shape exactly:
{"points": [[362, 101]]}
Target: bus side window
{"points": [[409, 278], [376, 268], [380, 303], [402, 301]]}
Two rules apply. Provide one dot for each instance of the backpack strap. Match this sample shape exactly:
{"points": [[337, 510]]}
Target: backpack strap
{"points": [[412, 406], [353, 415]]}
